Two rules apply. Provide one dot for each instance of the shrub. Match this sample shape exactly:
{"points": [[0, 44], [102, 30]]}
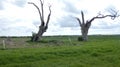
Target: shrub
{"points": [[80, 39]]}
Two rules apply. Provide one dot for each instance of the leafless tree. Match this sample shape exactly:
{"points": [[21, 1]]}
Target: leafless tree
{"points": [[44, 24], [85, 25]]}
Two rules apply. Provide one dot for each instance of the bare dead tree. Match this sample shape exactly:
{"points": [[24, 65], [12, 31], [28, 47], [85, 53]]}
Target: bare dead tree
{"points": [[85, 25], [44, 25]]}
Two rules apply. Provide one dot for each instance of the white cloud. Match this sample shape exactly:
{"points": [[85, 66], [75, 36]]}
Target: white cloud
{"points": [[19, 18]]}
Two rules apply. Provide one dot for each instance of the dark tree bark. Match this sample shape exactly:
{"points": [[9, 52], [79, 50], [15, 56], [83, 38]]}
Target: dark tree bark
{"points": [[85, 25], [44, 25]]}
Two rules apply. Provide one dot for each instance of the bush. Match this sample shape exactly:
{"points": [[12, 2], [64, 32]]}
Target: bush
{"points": [[33, 36], [80, 39]]}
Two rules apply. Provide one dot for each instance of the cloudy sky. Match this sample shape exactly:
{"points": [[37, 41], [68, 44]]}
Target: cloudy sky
{"points": [[17, 18]]}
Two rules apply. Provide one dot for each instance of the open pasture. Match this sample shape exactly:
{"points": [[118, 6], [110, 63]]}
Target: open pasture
{"points": [[61, 51]]}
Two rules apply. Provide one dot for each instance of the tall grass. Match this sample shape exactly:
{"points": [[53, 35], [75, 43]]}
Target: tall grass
{"points": [[99, 51]]}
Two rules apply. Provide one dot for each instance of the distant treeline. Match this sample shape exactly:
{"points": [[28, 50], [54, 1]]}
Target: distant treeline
{"points": [[15, 36], [55, 36]]}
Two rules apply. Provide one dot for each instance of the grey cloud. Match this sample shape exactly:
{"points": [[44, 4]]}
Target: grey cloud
{"points": [[70, 8], [104, 25], [36, 23], [4, 22], [16, 31], [68, 21], [6, 28], [20, 3], [22, 29], [1, 4]]}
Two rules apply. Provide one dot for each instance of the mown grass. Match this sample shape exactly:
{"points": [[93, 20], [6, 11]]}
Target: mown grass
{"points": [[99, 51]]}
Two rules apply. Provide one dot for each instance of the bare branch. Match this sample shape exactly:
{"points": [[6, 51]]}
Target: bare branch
{"points": [[83, 20], [37, 9], [88, 24], [112, 10], [42, 9], [100, 16], [79, 21], [48, 18], [104, 16]]}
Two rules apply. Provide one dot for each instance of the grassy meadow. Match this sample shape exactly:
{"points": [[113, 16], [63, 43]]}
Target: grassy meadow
{"points": [[61, 51]]}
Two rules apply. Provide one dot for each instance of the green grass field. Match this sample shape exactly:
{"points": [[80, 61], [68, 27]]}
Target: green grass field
{"points": [[62, 51]]}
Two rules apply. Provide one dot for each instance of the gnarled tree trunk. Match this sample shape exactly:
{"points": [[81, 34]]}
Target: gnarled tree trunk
{"points": [[84, 31], [44, 26], [84, 27]]}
